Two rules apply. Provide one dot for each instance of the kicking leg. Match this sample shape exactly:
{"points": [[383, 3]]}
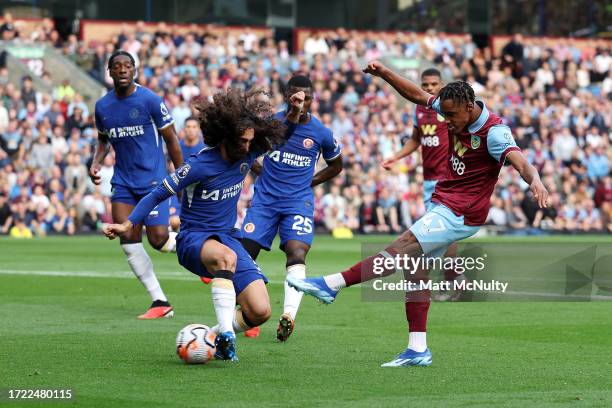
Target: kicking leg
{"points": [[327, 287]]}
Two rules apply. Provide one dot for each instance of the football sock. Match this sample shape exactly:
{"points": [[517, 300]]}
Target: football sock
{"points": [[417, 341], [416, 314], [335, 281], [224, 299], [170, 245], [239, 323], [142, 266], [364, 271], [292, 296]]}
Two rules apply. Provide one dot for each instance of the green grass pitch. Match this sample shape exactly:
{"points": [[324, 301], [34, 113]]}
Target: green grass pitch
{"points": [[69, 308]]}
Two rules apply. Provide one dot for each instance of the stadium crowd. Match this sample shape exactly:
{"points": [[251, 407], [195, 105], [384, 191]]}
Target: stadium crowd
{"points": [[557, 100]]}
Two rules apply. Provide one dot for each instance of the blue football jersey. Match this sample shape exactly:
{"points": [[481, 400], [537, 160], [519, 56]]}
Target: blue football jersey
{"points": [[131, 125], [189, 150], [211, 187], [288, 169]]}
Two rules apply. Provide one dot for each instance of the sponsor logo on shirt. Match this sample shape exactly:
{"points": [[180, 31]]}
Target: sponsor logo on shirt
{"points": [[291, 159], [126, 131]]}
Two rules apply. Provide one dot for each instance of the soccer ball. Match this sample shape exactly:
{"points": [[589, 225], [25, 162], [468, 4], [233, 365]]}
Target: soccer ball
{"points": [[195, 344]]}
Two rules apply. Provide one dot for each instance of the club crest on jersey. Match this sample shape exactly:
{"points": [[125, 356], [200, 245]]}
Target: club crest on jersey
{"points": [[250, 227], [244, 167], [308, 143], [163, 109], [475, 140], [134, 113], [182, 172]]}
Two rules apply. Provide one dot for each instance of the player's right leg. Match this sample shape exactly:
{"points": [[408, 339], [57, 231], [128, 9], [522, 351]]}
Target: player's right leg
{"points": [[123, 202], [220, 261], [430, 235]]}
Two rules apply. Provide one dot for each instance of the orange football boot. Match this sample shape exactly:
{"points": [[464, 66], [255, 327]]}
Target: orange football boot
{"points": [[158, 309]]}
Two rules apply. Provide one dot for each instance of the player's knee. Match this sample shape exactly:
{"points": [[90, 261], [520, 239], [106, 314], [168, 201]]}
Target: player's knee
{"points": [[226, 260], [406, 238], [175, 223], [296, 255], [259, 314], [157, 240]]}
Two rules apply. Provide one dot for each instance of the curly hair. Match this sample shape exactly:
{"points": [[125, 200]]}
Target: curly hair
{"points": [[460, 92], [224, 120]]}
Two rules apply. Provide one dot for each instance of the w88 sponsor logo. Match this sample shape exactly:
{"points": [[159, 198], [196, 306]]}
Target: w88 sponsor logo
{"points": [[457, 165], [430, 141]]}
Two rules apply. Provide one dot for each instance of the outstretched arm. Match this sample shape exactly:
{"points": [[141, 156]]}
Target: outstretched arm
{"points": [[139, 213], [405, 87], [530, 175], [172, 184]]}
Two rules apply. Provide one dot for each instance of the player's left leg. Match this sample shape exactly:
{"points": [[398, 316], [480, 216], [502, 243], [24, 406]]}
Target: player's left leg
{"points": [[123, 202], [296, 235], [417, 304]]}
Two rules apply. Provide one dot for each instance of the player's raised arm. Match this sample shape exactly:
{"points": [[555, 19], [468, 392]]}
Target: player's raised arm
{"points": [[257, 167], [530, 175], [405, 87], [296, 106]]}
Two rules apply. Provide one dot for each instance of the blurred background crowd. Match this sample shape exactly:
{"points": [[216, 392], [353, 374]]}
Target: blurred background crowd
{"points": [[557, 100]]}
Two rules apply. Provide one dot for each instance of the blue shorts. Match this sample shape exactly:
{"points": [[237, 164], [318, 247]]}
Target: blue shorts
{"points": [[428, 189], [189, 246], [160, 215], [263, 222], [439, 228]]}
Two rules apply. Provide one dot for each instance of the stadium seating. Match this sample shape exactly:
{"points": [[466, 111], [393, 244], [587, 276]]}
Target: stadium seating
{"points": [[555, 95]]}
